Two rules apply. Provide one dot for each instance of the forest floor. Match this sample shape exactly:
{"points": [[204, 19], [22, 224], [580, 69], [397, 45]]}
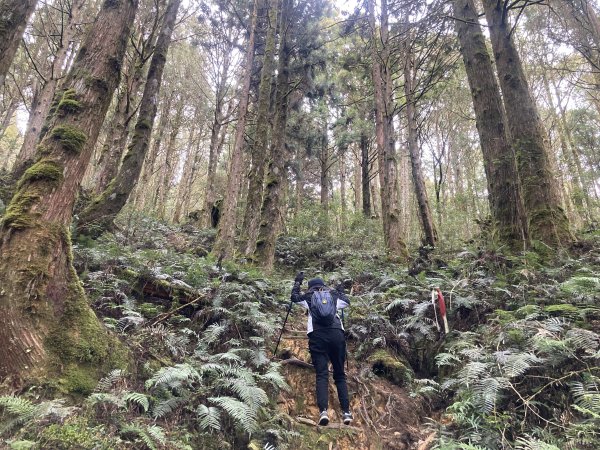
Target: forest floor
{"points": [[518, 370]]}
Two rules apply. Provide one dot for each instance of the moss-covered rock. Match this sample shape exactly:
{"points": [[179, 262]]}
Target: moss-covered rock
{"points": [[391, 367]]}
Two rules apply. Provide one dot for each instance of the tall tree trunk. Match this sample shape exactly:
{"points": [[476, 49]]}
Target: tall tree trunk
{"points": [[260, 146], [14, 15], [271, 214], [357, 182], [384, 124], [344, 206], [504, 192], [168, 168], [541, 196], [48, 324], [189, 170], [148, 168], [100, 214], [415, 158], [43, 99], [365, 165], [224, 244], [214, 149], [324, 164], [119, 128], [571, 154]]}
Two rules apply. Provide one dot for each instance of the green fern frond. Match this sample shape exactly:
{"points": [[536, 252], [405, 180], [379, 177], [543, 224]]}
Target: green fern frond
{"points": [[150, 435], [534, 444], [109, 381], [274, 377], [578, 338], [209, 418], [137, 398], [240, 412], [165, 407], [180, 374]]}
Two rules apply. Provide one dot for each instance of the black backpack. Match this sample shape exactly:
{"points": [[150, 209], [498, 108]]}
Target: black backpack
{"points": [[323, 307]]}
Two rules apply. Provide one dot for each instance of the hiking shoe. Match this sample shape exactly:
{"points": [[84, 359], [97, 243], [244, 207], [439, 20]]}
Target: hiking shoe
{"points": [[323, 418], [347, 417]]}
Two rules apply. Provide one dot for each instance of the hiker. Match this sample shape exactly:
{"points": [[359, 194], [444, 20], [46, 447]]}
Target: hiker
{"points": [[326, 340]]}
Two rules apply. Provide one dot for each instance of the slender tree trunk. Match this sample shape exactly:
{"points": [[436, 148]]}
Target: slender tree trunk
{"points": [[324, 163], [100, 214], [224, 244], [384, 125], [344, 206], [118, 130], [43, 99], [571, 154], [357, 183], [215, 141], [191, 161], [168, 169], [415, 158], [260, 145], [506, 204], [547, 219], [150, 160], [47, 322], [366, 175], [270, 214], [14, 15]]}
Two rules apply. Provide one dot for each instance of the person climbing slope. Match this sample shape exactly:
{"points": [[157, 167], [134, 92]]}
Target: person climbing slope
{"points": [[326, 340]]}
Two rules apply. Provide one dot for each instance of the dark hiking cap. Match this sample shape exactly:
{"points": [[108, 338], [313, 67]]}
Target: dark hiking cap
{"points": [[316, 282]]}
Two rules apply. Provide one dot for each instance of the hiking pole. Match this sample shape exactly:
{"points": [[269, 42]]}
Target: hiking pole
{"points": [[284, 322]]}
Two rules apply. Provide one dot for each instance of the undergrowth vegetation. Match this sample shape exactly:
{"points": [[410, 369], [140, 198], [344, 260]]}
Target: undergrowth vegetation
{"points": [[520, 368]]}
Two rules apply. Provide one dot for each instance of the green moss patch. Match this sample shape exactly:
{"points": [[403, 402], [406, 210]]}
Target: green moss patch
{"points": [[43, 170], [17, 214], [68, 103], [391, 367], [71, 138]]}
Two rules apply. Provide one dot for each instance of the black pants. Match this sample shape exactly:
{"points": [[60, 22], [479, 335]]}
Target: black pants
{"points": [[329, 345]]}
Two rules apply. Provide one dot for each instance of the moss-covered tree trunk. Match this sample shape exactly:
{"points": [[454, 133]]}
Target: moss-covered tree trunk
{"points": [[541, 194], [14, 15], [145, 194], [48, 324], [504, 193], [224, 245], [384, 126], [271, 214], [214, 150], [425, 216], [43, 99], [365, 165], [260, 146], [100, 214], [125, 109]]}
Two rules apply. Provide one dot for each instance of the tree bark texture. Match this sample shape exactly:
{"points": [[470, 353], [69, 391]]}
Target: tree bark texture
{"points": [[215, 141], [14, 15], [43, 100], [260, 145], [365, 165], [386, 150], [270, 214], [224, 244], [505, 199], [48, 324], [100, 214], [426, 218], [541, 195]]}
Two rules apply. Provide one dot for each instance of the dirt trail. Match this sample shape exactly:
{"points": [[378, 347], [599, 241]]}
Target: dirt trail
{"points": [[385, 416]]}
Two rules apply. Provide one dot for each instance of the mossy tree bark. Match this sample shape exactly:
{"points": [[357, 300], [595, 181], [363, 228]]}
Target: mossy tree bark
{"points": [[100, 214], [384, 125], [224, 244], [48, 324], [126, 106], [365, 165], [260, 146], [215, 146], [425, 216], [505, 199], [270, 214], [43, 97], [14, 15], [541, 195]]}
